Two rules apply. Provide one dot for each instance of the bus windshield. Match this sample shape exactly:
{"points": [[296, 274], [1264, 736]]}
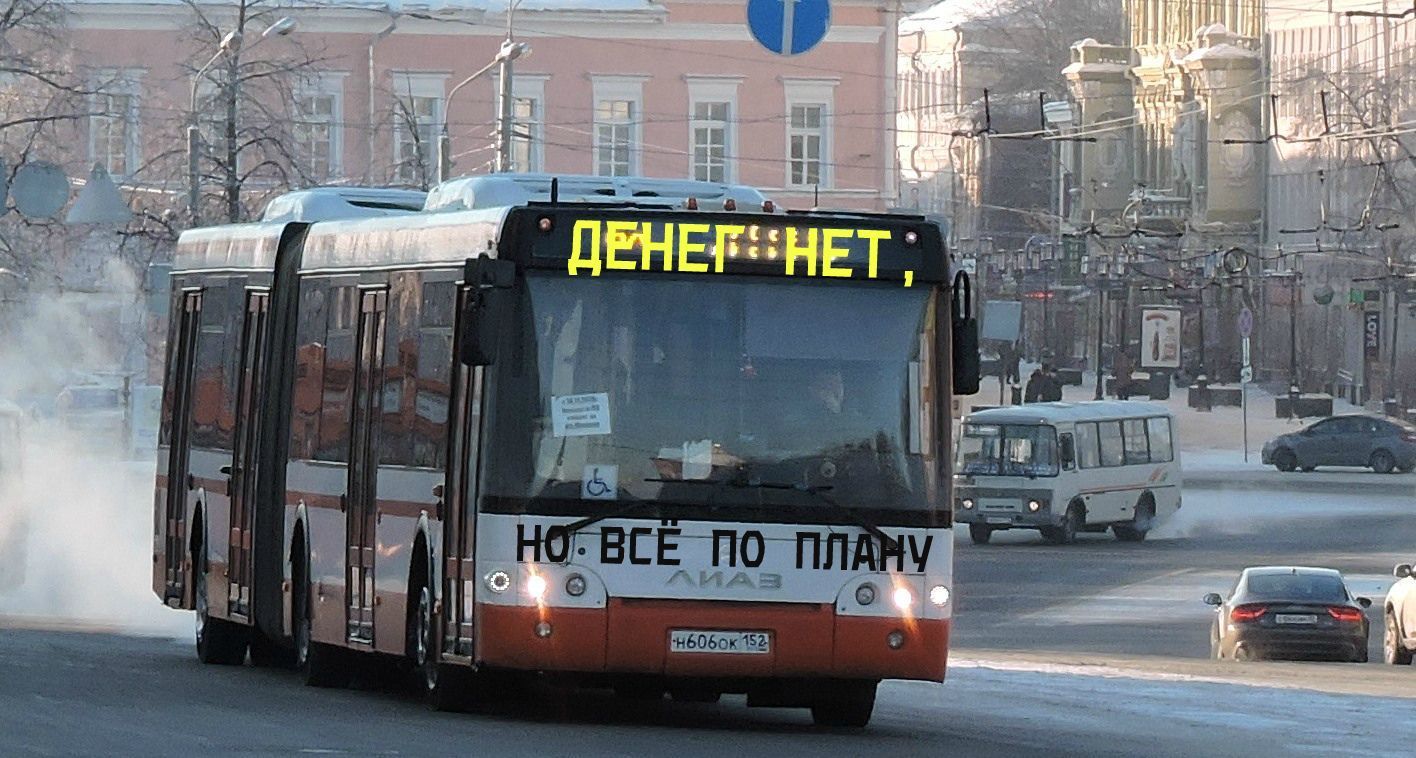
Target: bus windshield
{"points": [[1008, 450], [650, 387]]}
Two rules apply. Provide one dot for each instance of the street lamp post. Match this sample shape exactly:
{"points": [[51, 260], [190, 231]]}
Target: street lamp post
{"points": [[510, 50], [230, 46]]}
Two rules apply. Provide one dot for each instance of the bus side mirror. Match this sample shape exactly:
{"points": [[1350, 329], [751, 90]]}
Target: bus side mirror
{"points": [[1068, 451], [486, 307], [964, 331]]}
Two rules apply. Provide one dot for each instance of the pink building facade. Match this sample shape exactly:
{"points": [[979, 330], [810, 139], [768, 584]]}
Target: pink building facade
{"points": [[612, 87]]}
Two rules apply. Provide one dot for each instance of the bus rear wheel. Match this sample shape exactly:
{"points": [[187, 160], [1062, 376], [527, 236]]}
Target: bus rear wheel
{"points": [[219, 641], [980, 533], [320, 665], [845, 704], [1141, 521]]}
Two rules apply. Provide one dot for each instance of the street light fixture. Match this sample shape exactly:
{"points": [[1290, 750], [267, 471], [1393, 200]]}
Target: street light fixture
{"points": [[230, 45], [508, 52]]}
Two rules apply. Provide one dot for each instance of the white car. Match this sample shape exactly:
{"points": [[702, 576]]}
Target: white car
{"points": [[1399, 617]]}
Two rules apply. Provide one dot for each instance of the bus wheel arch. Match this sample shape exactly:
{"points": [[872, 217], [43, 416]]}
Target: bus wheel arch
{"points": [[1142, 517]]}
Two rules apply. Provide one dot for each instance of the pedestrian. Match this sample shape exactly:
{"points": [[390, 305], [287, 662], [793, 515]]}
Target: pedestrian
{"points": [[1010, 358], [1051, 391]]}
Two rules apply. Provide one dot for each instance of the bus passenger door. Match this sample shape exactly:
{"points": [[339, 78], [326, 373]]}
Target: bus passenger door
{"points": [[361, 502], [179, 454], [241, 476], [459, 503]]}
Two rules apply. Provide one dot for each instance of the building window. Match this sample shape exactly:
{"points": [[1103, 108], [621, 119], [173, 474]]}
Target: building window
{"points": [[807, 139], [712, 135], [809, 103], [528, 122], [113, 125], [614, 137], [618, 103], [710, 141], [318, 132], [525, 138], [417, 116]]}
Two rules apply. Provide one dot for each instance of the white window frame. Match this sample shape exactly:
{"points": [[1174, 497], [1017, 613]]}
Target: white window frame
{"points": [[527, 87], [330, 84], [808, 92], [714, 89], [127, 82], [416, 84], [618, 87]]}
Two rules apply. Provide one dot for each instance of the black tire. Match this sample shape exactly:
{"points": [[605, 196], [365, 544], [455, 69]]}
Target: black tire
{"points": [[1383, 462], [442, 687], [847, 705], [319, 665], [1141, 520], [219, 642], [1284, 460], [980, 534], [1309, 469], [1361, 656], [1246, 653], [1393, 652], [1066, 532]]}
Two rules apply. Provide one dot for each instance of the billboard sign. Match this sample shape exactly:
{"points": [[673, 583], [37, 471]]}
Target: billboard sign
{"points": [[1160, 337], [1372, 335]]}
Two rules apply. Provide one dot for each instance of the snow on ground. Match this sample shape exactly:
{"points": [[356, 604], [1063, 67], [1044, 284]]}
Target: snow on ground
{"points": [[1176, 713]]}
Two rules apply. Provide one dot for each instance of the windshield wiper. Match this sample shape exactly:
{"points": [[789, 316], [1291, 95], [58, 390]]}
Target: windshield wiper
{"points": [[818, 492], [626, 509]]}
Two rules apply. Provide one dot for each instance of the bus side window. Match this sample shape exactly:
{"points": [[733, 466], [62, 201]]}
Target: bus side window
{"points": [[1158, 429], [1137, 447], [1112, 451], [307, 391], [1068, 451], [1088, 454]]}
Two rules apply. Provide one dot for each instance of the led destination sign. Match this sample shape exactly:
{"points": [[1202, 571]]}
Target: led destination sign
{"points": [[714, 246]]}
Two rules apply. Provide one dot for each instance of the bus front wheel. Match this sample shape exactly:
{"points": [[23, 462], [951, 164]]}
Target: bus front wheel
{"points": [[845, 704], [980, 533]]}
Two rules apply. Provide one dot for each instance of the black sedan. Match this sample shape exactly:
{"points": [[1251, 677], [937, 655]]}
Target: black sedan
{"points": [[1380, 444], [1289, 612]]}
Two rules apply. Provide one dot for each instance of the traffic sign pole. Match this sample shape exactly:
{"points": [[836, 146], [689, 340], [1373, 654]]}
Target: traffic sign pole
{"points": [[1246, 374]]}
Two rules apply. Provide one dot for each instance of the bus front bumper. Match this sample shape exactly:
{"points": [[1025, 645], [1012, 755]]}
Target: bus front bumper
{"points": [[1013, 510], [632, 637]]}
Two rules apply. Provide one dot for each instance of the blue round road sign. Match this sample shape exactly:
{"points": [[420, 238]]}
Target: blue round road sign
{"points": [[789, 27]]}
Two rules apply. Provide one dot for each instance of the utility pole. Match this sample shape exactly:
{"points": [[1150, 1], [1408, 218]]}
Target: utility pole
{"points": [[504, 100]]}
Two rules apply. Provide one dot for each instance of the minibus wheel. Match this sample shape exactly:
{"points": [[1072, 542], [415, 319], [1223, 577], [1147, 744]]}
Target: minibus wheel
{"points": [[980, 533]]}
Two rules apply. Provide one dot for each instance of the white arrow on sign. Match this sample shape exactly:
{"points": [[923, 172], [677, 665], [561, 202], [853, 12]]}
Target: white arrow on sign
{"points": [[788, 21]]}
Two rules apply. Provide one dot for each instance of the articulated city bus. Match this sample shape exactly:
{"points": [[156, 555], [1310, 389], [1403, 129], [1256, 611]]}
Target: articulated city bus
{"points": [[641, 444]]}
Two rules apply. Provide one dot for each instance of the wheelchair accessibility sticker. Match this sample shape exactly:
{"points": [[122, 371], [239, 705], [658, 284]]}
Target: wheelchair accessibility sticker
{"points": [[600, 483]]}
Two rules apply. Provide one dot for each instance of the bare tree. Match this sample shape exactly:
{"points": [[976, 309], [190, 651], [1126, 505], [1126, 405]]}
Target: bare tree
{"points": [[256, 139]]}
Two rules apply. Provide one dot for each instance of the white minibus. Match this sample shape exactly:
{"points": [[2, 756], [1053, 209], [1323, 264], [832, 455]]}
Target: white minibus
{"points": [[1065, 468]]}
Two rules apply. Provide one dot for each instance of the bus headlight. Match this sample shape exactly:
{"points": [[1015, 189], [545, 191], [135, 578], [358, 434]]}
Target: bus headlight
{"points": [[968, 503], [1034, 505], [498, 581], [536, 586], [865, 594], [575, 585], [904, 599], [939, 594]]}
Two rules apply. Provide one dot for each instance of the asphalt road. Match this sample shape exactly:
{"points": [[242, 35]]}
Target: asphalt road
{"points": [[1090, 649], [1108, 597]]}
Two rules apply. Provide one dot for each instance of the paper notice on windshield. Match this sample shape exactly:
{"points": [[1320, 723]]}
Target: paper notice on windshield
{"points": [[697, 459], [580, 415]]}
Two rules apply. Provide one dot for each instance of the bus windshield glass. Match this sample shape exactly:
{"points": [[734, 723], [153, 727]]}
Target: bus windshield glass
{"points": [[697, 392], [1008, 450]]}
